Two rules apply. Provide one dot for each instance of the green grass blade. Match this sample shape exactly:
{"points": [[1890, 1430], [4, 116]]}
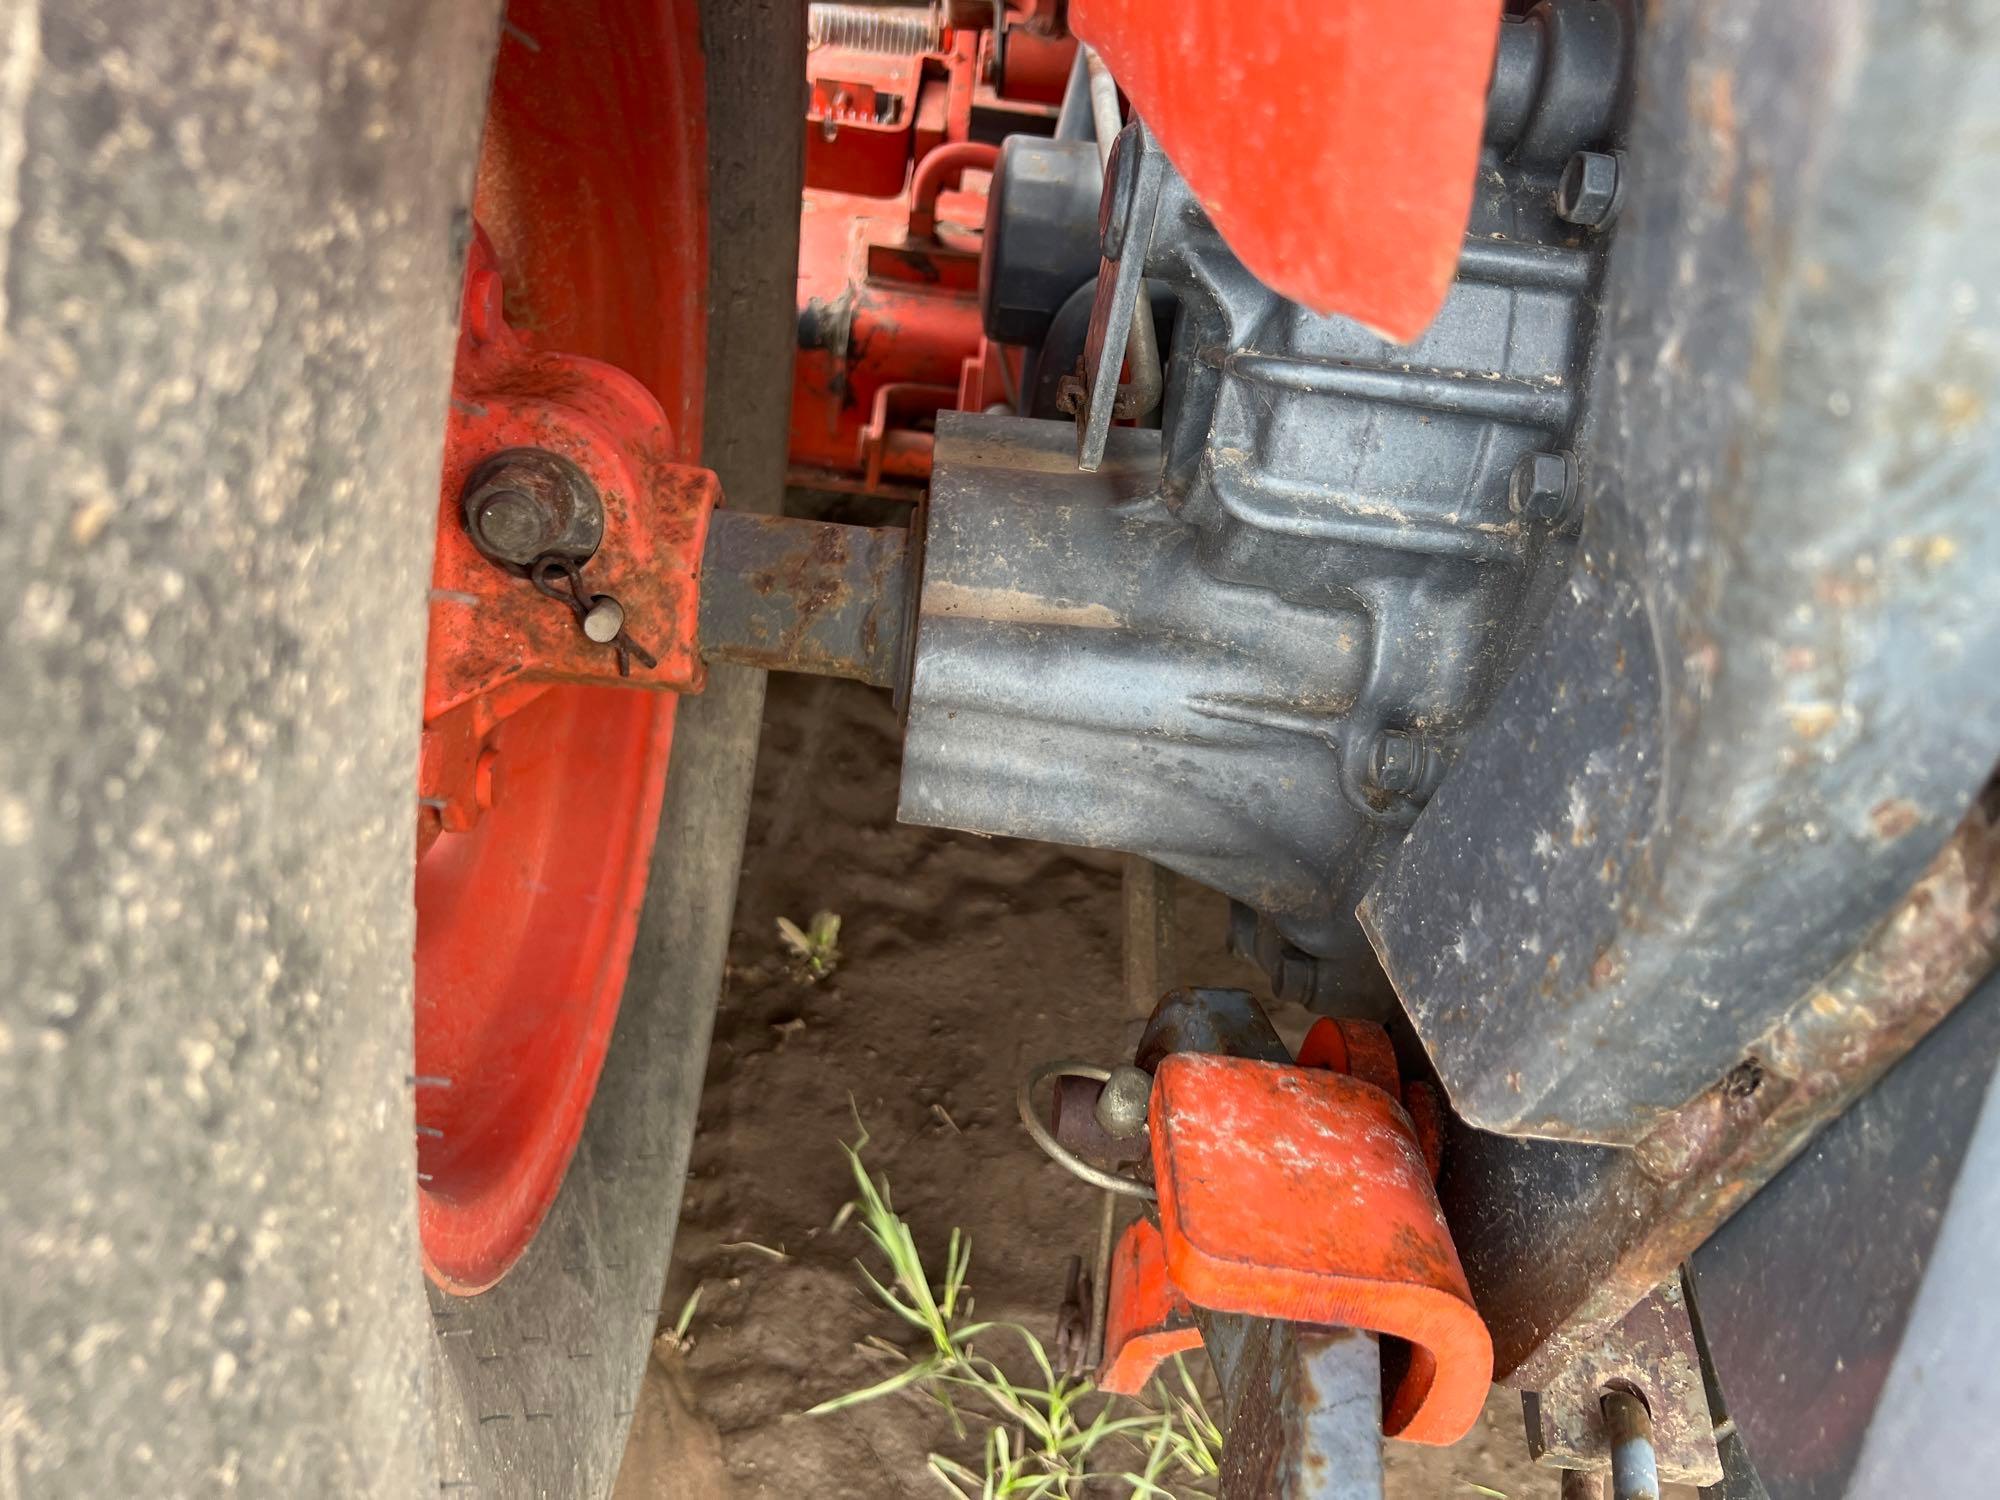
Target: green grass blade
{"points": [[922, 1370]]}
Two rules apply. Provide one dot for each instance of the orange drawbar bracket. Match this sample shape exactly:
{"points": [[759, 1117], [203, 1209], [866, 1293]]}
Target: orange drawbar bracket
{"points": [[1301, 1194]]}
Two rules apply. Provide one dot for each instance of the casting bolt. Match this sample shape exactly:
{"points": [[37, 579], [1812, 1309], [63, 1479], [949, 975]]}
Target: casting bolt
{"points": [[1543, 487], [1590, 190], [1121, 1107], [1402, 763]]}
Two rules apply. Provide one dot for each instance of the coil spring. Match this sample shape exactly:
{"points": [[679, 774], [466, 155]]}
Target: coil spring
{"points": [[894, 30]]}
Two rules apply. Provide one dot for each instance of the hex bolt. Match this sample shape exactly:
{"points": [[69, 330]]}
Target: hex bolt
{"points": [[1121, 1107], [1402, 763], [604, 619], [524, 504], [1591, 189], [510, 522], [1543, 487]]}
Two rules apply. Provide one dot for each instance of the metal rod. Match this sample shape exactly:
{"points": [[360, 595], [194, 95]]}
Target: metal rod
{"points": [[1074, 120], [1337, 1386], [1142, 349], [1104, 112], [1635, 1471], [1100, 1285]]}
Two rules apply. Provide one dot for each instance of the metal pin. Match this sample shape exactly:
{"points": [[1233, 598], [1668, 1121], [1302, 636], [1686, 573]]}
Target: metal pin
{"points": [[1100, 1288], [604, 621], [1635, 1471]]}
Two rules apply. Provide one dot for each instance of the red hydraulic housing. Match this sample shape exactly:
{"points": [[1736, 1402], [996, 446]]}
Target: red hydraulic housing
{"points": [[904, 115]]}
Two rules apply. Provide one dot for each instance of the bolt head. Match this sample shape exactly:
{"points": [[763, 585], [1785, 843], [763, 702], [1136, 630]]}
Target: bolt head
{"points": [[1394, 761], [603, 620], [512, 523], [1293, 977], [525, 503], [1590, 189], [483, 307], [1543, 487], [1404, 763], [1121, 1108]]}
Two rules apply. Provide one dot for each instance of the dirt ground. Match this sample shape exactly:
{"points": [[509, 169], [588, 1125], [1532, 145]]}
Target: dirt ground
{"points": [[964, 962]]}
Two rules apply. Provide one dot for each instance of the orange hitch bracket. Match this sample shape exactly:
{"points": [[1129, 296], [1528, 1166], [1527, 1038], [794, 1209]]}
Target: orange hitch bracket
{"points": [[1302, 1193]]}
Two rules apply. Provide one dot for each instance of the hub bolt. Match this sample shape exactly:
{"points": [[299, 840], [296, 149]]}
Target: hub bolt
{"points": [[524, 504], [485, 778], [509, 521]]}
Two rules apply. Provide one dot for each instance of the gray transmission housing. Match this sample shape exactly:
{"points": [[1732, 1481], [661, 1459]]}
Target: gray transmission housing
{"points": [[1248, 645]]}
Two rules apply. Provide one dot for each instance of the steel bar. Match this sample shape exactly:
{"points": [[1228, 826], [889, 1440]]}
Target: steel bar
{"points": [[1142, 349], [1100, 1278], [791, 595], [1135, 174], [1147, 895], [1304, 1409]]}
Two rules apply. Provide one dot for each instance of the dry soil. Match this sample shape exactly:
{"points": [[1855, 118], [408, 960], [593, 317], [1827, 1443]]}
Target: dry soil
{"points": [[964, 962]]}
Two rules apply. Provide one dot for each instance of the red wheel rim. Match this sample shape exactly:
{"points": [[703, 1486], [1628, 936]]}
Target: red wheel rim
{"points": [[591, 186]]}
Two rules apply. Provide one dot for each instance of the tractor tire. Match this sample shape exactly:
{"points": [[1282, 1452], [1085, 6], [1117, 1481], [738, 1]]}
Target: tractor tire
{"points": [[231, 244]]}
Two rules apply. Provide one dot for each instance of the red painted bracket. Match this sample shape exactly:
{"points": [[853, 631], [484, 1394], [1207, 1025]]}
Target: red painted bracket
{"points": [[1363, 1049], [496, 641], [1147, 1320], [1302, 1193]]}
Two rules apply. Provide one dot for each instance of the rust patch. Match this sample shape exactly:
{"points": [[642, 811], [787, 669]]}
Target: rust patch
{"points": [[1811, 720], [1894, 818], [1605, 969], [1709, 1156]]}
